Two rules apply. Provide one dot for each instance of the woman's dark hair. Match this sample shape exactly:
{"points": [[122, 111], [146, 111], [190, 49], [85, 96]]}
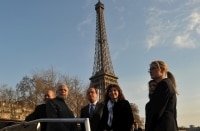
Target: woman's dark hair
{"points": [[108, 88], [151, 81]]}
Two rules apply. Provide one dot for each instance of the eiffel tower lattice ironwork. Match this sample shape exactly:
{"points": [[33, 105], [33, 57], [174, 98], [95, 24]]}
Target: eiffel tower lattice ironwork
{"points": [[103, 72]]}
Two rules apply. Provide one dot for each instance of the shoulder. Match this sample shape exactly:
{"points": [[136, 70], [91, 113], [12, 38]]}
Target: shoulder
{"points": [[165, 81], [100, 104], [163, 87], [55, 100], [165, 84], [123, 103], [85, 107], [41, 106]]}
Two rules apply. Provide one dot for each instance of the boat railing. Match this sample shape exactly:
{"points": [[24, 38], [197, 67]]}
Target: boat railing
{"points": [[26, 124]]}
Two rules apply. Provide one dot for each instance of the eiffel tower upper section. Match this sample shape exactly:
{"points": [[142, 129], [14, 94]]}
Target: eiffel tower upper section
{"points": [[103, 72]]}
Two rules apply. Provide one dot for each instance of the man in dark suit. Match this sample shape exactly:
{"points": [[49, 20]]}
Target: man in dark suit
{"points": [[93, 110], [40, 110], [58, 108]]}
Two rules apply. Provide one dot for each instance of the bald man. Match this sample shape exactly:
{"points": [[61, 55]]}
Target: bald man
{"points": [[40, 110]]}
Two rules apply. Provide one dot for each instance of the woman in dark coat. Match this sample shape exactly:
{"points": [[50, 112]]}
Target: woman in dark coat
{"points": [[161, 111], [117, 113]]}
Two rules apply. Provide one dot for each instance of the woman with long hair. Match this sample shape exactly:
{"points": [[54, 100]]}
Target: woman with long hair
{"points": [[117, 113], [161, 113]]}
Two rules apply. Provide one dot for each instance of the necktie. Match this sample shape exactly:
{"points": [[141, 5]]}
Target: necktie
{"points": [[91, 109]]}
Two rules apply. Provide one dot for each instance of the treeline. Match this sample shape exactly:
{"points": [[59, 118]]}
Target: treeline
{"points": [[30, 90]]}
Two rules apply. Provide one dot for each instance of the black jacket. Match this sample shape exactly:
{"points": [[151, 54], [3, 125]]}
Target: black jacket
{"points": [[122, 117], [95, 119], [57, 108], [161, 109], [39, 112]]}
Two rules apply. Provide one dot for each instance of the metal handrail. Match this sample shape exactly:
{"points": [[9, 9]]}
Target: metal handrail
{"points": [[71, 120]]}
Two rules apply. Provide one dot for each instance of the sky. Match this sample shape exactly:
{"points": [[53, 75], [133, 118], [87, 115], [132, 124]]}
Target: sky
{"points": [[40, 34]]}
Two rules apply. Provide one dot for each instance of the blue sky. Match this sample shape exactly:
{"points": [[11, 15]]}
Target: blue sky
{"points": [[41, 34]]}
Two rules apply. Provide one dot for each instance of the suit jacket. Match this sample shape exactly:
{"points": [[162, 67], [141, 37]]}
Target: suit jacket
{"points": [[161, 110], [122, 117], [95, 119], [39, 112], [57, 108]]}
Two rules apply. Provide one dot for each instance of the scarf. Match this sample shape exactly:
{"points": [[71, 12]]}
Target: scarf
{"points": [[110, 105]]}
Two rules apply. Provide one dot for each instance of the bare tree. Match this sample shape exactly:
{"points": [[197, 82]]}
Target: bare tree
{"points": [[26, 91], [32, 89], [136, 115], [44, 79], [8, 100], [29, 91]]}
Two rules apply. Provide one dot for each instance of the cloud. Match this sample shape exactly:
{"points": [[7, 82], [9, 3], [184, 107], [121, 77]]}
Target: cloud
{"points": [[188, 37], [194, 21], [156, 26], [184, 41], [122, 23], [179, 26], [152, 41], [121, 49], [88, 3], [85, 22]]}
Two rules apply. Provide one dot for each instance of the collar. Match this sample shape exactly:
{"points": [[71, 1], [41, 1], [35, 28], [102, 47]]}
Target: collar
{"points": [[93, 103]]}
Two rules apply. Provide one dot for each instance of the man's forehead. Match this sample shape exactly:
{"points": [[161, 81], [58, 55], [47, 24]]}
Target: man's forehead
{"points": [[49, 92], [92, 90], [63, 87]]}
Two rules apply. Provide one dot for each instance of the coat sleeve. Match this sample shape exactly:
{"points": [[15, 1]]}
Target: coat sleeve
{"points": [[33, 115]]}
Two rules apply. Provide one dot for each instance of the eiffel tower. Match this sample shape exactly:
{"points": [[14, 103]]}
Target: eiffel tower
{"points": [[103, 73]]}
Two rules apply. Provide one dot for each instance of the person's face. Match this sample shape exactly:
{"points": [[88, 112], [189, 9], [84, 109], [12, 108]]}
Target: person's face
{"points": [[113, 93], [92, 95], [63, 91], [49, 95], [155, 72], [152, 87]]}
